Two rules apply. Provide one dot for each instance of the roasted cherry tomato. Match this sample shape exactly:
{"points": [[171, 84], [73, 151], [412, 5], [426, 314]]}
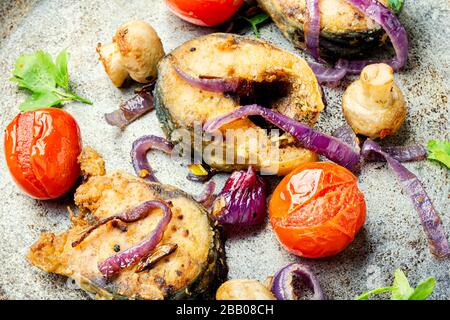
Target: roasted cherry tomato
{"points": [[41, 150], [317, 209], [205, 13]]}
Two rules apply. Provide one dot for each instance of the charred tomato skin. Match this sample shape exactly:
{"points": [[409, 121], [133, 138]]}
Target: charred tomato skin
{"points": [[41, 149], [317, 210], [206, 13]]}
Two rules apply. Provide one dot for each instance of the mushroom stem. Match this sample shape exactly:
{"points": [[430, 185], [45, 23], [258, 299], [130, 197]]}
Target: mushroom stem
{"points": [[377, 81]]}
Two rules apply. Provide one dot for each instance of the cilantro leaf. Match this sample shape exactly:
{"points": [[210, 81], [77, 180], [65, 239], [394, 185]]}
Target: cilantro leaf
{"points": [[395, 5], [62, 73], [40, 100], [257, 20], [39, 74], [439, 151], [423, 289], [402, 289], [35, 72]]}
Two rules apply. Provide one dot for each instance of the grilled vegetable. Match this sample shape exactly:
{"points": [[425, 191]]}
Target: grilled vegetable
{"points": [[243, 289], [135, 50], [274, 78], [374, 105], [344, 31], [194, 269], [317, 210]]}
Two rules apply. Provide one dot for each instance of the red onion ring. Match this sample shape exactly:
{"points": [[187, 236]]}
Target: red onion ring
{"points": [[375, 11], [429, 218], [216, 84], [242, 200], [283, 284], [330, 147], [139, 155], [131, 109]]}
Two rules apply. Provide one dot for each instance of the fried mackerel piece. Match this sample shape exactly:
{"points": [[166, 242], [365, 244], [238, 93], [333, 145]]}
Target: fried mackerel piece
{"points": [[273, 78], [188, 262], [345, 32]]}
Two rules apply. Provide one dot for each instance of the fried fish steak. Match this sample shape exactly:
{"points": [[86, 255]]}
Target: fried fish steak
{"points": [[194, 269]]}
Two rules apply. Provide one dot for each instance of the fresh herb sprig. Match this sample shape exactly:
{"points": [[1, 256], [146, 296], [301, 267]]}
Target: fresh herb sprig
{"points": [[47, 81], [439, 151], [256, 20], [395, 5], [401, 290]]}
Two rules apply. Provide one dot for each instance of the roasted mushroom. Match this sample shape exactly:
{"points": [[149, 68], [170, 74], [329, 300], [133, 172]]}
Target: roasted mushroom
{"points": [[243, 289], [373, 105], [135, 52]]}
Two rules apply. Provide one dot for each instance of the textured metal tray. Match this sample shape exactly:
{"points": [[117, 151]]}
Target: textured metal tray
{"points": [[392, 236]]}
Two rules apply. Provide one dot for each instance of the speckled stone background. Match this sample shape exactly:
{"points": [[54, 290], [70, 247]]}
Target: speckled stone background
{"points": [[392, 236]]}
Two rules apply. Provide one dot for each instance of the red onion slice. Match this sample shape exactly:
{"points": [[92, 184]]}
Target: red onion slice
{"points": [[330, 147], [216, 84], [207, 197], [375, 11], [346, 134], [312, 28], [242, 200], [415, 152], [429, 218], [131, 109], [139, 154], [283, 284], [133, 255]]}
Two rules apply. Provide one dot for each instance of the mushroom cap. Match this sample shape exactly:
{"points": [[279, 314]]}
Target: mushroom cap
{"points": [[243, 289], [140, 48]]}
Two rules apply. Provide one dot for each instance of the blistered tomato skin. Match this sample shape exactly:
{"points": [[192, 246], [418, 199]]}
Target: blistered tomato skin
{"points": [[206, 13], [41, 150], [317, 210]]}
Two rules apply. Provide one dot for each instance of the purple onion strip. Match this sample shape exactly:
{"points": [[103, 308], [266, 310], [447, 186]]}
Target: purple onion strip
{"points": [[430, 219], [215, 84], [312, 28], [375, 11], [330, 147], [133, 255], [206, 198], [139, 154], [283, 282], [131, 109], [415, 152]]}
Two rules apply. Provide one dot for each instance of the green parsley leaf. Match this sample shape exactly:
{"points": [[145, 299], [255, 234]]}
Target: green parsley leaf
{"points": [[402, 289], [439, 151], [395, 5], [35, 72], [423, 289], [40, 100], [257, 20], [62, 73], [39, 74]]}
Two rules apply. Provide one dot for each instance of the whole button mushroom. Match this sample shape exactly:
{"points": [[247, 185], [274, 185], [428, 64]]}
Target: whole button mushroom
{"points": [[243, 289], [135, 51], [373, 105]]}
